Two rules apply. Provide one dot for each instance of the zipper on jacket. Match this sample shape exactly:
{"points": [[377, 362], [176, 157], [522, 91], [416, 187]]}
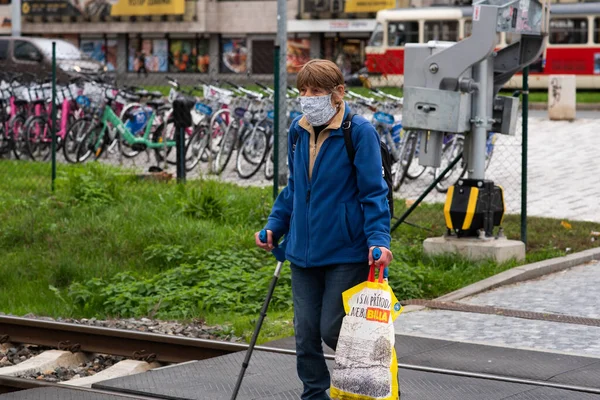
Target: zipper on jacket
{"points": [[308, 225]]}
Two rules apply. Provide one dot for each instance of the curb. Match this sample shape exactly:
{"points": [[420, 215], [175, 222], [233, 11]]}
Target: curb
{"points": [[578, 106], [524, 273]]}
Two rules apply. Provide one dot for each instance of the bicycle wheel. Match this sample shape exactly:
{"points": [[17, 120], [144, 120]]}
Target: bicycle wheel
{"points": [[165, 132], [218, 126], [38, 138], [415, 170], [400, 168], [73, 138], [226, 148], [195, 148], [5, 142], [124, 146], [15, 128], [450, 151], [92, 145], [252, 151], [270, 164]]}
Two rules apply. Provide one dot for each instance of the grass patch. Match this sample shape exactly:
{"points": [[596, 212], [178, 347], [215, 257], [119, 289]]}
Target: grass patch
{"points": [[107, 244]]}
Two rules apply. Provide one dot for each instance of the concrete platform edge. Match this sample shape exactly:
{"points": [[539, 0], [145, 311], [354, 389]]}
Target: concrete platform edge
{"points": [[524, 273]]}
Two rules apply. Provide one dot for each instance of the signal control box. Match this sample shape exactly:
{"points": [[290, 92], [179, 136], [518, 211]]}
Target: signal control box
{"points": [[473, 205]]}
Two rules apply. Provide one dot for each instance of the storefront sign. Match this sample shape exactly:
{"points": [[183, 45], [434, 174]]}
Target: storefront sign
{"points": [[49, 8], [331, 25], [103, 7], [357, 6], [148, 7]]}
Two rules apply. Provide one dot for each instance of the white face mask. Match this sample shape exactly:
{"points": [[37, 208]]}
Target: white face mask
{"points": [[317, 109]]}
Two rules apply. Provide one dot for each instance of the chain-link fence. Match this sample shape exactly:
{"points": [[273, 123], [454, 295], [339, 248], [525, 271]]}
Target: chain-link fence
{"points": [[126, 119]]}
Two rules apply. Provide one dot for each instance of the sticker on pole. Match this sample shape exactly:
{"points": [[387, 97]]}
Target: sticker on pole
{"points": [[476, 13]]}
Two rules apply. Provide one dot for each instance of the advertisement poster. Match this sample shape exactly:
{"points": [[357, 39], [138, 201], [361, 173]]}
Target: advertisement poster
{"points": [[93, 48], [184, 55], [234, 55], [5, 18], [101, 50], [298, 54], [101, 8], [148, 55]]}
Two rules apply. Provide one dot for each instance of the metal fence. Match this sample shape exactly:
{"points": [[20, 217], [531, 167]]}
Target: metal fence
{"points": [[235, 103]]}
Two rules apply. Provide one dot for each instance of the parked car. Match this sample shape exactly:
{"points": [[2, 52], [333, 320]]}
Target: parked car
{"points": [[33, 57]]}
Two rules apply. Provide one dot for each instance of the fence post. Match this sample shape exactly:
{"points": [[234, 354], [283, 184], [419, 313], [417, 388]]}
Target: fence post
{"points": [[276, 126], [524, 156], [53, 122]]}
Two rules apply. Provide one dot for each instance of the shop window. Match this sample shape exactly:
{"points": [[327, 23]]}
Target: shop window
{"points": [[188, 55], [569, 31], [149, 55], [234, 55], [400, 33], [263, 56], [348, 54], [441, 30], [3, 49], [298, 54], [101, 50], [25, 51]]}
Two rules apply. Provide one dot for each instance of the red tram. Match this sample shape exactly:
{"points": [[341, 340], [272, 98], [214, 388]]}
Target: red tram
{"points": [[572, 47]]}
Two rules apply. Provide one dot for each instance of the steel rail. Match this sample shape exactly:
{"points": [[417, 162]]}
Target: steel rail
{"points": [[138, 345]]}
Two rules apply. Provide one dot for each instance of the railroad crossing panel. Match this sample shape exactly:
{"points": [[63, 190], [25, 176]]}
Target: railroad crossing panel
{"points": [[273, 376]]}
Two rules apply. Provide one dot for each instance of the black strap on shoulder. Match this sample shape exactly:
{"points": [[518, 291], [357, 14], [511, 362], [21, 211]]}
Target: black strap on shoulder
{"points": [[347, 129]]}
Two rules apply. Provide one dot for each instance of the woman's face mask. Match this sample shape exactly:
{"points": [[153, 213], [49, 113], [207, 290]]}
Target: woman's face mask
{"points": [[317, 109]]}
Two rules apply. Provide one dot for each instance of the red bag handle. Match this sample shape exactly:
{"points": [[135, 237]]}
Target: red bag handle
{"points": [[372, 273]]}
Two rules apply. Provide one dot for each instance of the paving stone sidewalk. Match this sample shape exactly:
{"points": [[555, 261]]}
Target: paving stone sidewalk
{"points": [[571, 292]]}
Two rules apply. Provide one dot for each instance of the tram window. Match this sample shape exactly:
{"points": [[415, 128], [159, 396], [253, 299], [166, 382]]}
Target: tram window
{"points": [[597, 30], [469, 29], [441, 30], [400, 33], [568, 31], [377, 36]]}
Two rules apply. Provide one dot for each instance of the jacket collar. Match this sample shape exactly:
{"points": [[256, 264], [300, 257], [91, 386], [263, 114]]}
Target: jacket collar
{"points": [[335, 124]]}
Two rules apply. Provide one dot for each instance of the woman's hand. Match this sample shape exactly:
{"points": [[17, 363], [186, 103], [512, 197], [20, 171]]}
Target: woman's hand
{"points": [[385, 259], [265, 246]]}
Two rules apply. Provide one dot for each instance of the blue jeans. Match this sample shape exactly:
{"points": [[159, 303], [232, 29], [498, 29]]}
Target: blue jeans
{"points": [[318, 314]]}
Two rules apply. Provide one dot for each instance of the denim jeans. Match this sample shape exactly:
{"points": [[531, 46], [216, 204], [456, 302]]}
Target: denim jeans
{"points": [[318, 314]]}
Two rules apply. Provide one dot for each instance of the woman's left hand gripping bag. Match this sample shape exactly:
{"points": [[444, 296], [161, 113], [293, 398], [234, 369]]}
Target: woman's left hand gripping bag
{"points": [[365, 360]]}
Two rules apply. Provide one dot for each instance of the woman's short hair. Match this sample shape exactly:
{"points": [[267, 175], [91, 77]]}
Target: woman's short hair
{"points": [[319, 73]]}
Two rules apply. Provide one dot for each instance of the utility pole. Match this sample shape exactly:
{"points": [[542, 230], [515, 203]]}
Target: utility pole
{"points": [[16, 17], [281, 111]]}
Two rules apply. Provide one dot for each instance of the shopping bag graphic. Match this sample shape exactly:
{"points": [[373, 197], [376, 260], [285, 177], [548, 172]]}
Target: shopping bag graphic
{"points": [[365, 360]]}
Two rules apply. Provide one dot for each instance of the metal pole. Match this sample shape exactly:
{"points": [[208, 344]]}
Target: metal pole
{"points": [[16, 18], [524, 156], [53, 124], [482, 114], [426, 192], [281, 112], [276, 127]]}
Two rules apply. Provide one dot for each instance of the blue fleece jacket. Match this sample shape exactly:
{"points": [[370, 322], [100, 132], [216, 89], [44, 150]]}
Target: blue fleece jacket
{"points": [[338, 214]]}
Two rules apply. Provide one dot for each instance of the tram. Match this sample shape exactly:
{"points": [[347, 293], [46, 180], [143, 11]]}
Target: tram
{"points": [[572, 46]]}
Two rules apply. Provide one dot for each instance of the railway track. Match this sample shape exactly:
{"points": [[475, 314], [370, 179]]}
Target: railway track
{"points": [[167, 349]]}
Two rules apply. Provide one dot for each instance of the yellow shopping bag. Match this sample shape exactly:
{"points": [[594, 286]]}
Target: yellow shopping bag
{"points": [[365, 360]]}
